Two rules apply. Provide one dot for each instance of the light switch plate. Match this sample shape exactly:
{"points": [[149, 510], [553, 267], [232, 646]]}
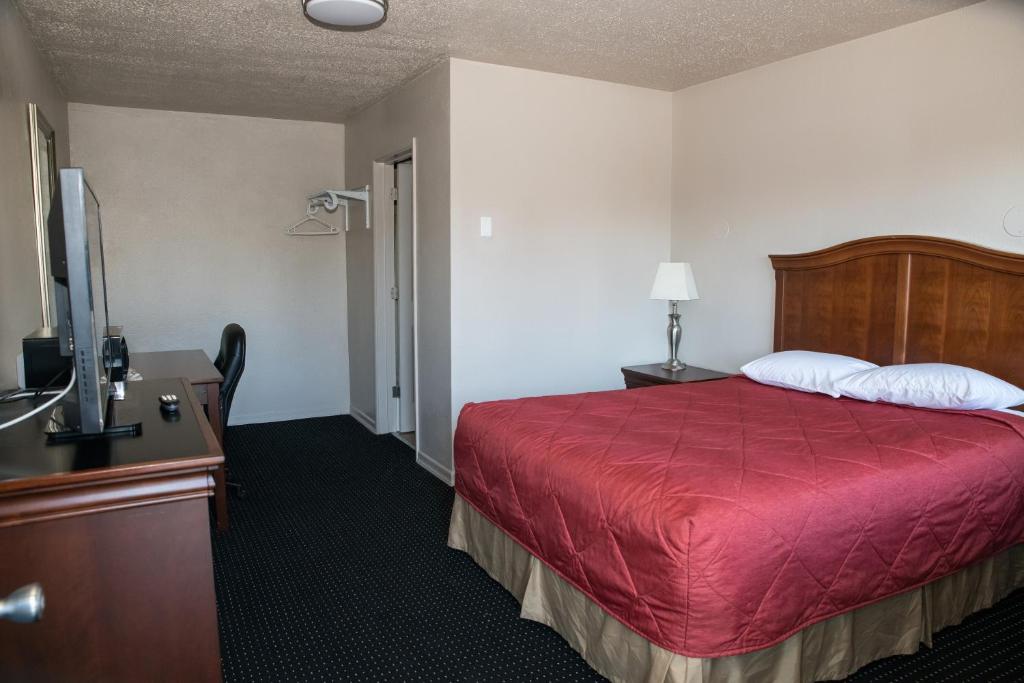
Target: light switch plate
{"points": [[486, 226]]}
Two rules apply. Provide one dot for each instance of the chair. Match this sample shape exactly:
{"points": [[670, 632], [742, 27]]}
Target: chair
{"points": [[230, 363]]}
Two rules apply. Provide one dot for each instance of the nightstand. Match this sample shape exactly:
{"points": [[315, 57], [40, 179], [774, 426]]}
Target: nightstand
{"points": [[651, 375]]}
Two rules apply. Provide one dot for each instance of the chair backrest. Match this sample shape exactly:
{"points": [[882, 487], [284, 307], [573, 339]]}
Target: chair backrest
{"points": [[230, 362]]}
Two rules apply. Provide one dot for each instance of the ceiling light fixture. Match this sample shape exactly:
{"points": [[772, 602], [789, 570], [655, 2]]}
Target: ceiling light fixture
{"points": [[346, 13]]}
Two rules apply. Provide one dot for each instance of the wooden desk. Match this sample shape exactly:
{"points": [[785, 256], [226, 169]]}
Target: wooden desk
{"points": [[194, 366], [118, 534]]}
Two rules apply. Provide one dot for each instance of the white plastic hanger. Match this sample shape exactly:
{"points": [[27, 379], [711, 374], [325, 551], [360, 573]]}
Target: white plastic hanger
{"points": [[325, 228]]}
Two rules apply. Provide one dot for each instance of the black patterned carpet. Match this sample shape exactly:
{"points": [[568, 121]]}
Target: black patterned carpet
{"points": [[336, 569]]}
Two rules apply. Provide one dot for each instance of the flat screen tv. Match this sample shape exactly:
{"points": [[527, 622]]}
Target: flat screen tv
{"points": [[79, 274]]}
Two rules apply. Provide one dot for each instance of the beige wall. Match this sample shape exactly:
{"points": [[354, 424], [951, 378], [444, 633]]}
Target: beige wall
{"points": [[23, 78], [194, 209], [915, 130], [420, 110], [575, 174]]}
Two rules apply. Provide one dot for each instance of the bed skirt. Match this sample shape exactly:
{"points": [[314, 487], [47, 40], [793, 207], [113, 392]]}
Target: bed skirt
{"points": [[831, 649]]}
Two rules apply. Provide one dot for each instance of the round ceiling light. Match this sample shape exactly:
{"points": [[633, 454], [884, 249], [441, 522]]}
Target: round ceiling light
{"points": [[347, 13]]}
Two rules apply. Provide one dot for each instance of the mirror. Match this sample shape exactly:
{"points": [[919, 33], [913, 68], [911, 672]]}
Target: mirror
{"points": [[43, 143]]}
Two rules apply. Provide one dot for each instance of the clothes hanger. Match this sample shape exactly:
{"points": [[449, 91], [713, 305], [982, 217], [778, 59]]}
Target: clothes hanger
{"points": [[325, 228]]}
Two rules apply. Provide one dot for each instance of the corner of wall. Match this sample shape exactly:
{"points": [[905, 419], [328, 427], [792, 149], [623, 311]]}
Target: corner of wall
{"points": [[419, 110]]}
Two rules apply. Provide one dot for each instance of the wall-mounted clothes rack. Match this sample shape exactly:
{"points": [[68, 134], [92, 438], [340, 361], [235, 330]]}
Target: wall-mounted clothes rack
{"points": [[332, 199]]}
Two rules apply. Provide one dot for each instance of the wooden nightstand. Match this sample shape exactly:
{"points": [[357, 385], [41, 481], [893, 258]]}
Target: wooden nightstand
{"points": [[638, 376]]}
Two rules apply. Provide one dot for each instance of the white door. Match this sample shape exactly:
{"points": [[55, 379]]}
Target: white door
{"points": [[406, 379]]}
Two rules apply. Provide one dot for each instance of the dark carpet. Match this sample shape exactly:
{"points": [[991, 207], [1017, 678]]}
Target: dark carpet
{"points": [[336, 568]]}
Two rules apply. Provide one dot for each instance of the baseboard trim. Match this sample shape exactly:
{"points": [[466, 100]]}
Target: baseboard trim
{"points": [[364, 419], [445, 474], [284, 415]]}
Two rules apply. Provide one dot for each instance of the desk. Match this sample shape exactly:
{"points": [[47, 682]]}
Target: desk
{"points": [[194, 366], [118, 533]]}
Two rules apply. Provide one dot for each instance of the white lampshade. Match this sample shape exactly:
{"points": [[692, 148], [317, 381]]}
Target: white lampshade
{"points": [[674, 282], [351, 13]]}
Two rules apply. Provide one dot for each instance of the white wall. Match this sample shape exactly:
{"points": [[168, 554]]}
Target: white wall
{"points": [[915, 130], [24, 78], [575, 174], [194, 209], [420, 110]]}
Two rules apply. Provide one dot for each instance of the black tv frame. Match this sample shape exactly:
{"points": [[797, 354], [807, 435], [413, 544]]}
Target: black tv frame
{"points": [[74, 287]]}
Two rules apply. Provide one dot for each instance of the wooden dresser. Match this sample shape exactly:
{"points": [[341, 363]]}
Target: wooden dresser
{"points": [[117, 532]]}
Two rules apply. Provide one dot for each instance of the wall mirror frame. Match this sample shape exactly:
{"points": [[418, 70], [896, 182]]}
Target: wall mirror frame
{"points": [[43, 144]]}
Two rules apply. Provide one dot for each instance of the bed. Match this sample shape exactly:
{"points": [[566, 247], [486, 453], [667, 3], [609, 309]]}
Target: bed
{"points": [[733, 531]]}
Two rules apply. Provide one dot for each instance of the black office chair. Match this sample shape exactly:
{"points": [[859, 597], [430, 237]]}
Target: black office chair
{"points": [[230, 362]]}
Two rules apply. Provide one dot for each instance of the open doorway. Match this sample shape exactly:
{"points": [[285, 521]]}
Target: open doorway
{"points": [[403, 294], [395, 320]]}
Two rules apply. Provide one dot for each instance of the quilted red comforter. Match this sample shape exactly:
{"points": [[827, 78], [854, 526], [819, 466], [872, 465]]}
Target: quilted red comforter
{"points": [[722, 517]]}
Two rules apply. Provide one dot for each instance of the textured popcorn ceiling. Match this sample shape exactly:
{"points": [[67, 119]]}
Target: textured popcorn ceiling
{"points": [[263, 58]]}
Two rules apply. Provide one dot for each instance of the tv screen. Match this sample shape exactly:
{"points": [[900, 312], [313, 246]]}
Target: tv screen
{"points": [[79, 273]]}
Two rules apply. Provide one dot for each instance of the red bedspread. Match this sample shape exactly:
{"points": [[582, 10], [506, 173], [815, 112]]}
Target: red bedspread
{"points": [[722, 517]]}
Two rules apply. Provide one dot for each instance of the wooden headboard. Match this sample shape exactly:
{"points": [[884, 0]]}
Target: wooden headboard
{"points": [[905, 299]]}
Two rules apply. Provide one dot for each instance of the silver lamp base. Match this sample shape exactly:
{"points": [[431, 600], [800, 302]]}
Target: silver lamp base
{"points": [[675, 333]]}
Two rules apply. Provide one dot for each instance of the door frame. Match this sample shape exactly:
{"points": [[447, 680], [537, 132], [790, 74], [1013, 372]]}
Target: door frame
{"points": [[385, 332]]}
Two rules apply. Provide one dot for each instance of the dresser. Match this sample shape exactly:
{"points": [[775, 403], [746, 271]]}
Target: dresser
{"points": [[117, 534]]}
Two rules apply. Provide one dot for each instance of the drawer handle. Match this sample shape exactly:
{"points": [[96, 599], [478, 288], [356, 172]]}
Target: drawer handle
{"points": [[24, 605]]}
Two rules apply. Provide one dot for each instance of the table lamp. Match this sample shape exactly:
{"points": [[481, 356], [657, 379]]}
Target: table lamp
{"points": [[674, 283]]}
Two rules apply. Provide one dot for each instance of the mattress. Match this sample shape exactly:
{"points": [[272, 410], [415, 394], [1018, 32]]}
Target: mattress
{"points": [[720, 518]]}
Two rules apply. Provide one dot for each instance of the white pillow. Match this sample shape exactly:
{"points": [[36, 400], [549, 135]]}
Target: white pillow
{"points": [[808, 371], [932, 385]]}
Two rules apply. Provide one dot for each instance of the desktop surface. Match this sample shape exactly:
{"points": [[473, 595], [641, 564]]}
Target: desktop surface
{"points": [[192, 364], [26, 455]]}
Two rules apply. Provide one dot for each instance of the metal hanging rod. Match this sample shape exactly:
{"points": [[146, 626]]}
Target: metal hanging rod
{"points": [[332, 199]]}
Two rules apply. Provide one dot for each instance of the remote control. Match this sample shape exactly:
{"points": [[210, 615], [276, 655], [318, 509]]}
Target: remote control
{"points": [[169, 403]]}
